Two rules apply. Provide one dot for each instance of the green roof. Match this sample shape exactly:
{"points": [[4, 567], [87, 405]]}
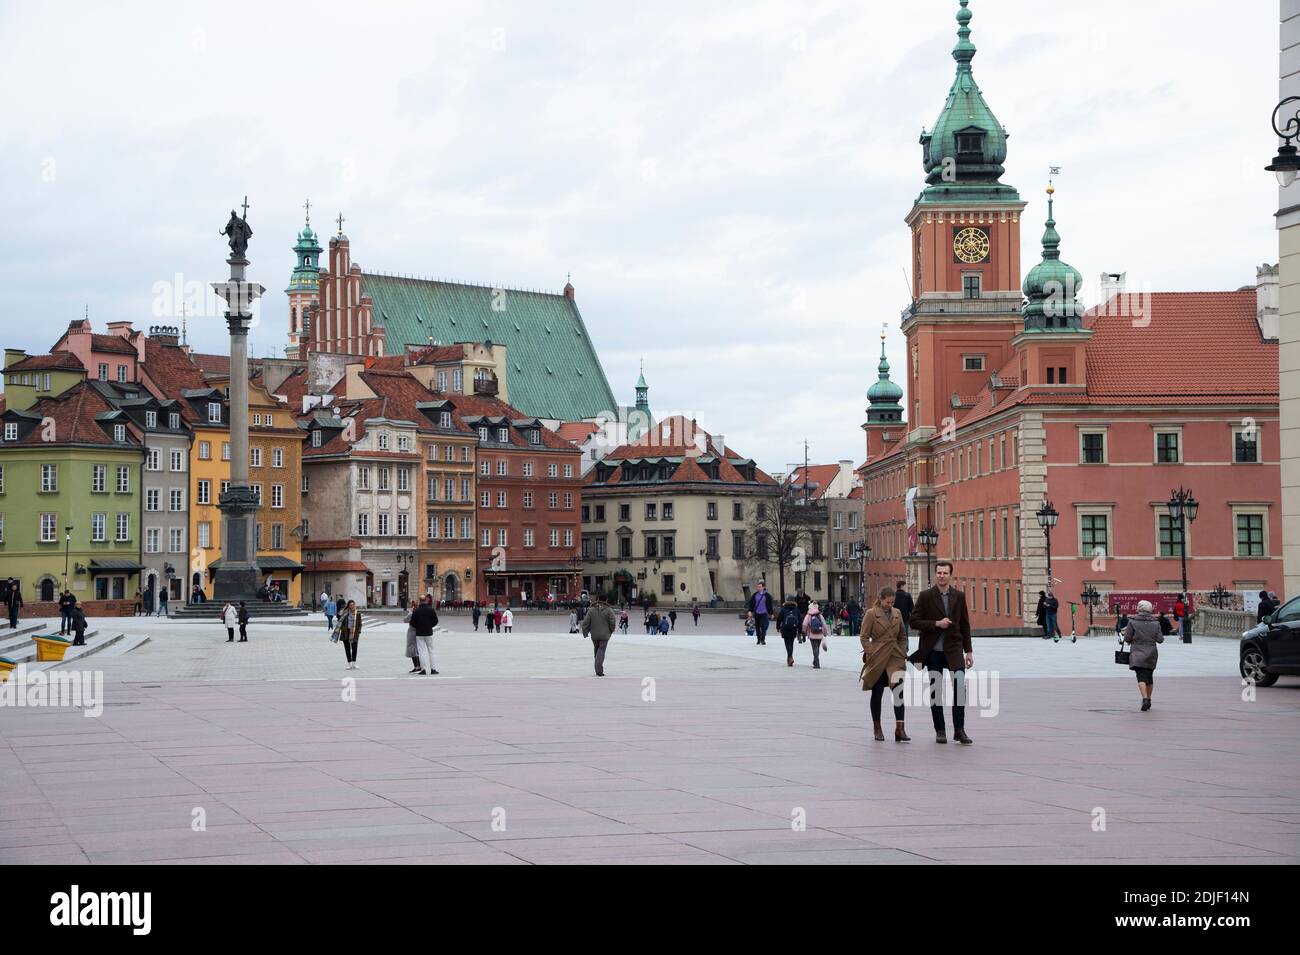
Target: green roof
{"points": [[553, 370]]}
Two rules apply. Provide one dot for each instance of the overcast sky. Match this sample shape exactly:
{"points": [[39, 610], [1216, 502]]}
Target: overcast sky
{"points": [[726, 182]]}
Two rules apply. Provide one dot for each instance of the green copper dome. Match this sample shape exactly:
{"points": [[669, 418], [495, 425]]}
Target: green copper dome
{"points": [[963, 153], [884, 396], [305, 277], [1052, 287]]}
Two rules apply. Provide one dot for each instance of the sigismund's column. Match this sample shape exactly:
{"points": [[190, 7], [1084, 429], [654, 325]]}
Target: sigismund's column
{"points": [[238, 575]]}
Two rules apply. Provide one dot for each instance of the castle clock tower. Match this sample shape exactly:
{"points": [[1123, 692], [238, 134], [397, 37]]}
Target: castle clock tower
{"points": [[965, 224]]}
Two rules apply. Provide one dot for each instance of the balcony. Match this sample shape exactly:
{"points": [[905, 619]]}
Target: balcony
{"points": [[485, 386]]}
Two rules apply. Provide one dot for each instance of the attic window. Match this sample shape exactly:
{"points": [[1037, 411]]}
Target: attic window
{"points": [[444, 419], [534, 436], [174, 421], [119, 433], [503, 434], [973, 363], [482, 434], [316, 438], [970, 141], [11, 431], [214, 412]]}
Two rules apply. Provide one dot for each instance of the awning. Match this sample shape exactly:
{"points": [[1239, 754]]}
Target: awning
{"points": [[266, 563], [115, 566]]}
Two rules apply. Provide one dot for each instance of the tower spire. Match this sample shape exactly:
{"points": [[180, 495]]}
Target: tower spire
{"points": [[884, 396], [964, 51], [1051, 288]]}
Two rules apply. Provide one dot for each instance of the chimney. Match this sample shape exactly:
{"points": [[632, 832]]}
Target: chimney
{"points": [[165, 334], [121, 329], [14, 355], [720, 444], [1267, 302], [1112, 284]]}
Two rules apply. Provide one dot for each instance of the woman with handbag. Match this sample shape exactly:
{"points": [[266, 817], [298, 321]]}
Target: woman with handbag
{"points": [[349, 630], [1144, 635], [815, 628], [884, 661]]}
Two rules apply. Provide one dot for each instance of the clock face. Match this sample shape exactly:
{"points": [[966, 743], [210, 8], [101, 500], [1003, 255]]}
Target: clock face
{"points": [[971, 245]]}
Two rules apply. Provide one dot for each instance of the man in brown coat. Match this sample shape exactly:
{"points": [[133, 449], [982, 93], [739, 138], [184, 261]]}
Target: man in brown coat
{"points": [[941, 619]]}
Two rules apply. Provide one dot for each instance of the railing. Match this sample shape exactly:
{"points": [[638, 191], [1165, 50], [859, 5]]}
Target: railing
{"points": [[1221, 623], [485, 386]]}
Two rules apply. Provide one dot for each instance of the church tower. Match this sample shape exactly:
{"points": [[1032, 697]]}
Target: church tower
{"points": [[302, 290], [965, 226], [884, 409]]}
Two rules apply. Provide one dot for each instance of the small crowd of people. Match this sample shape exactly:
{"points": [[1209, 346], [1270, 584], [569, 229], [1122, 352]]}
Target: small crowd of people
{"points": [[147, 604]]}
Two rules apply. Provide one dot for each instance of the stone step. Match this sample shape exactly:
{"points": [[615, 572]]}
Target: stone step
{"points": [[26, 652], [110, 645]]}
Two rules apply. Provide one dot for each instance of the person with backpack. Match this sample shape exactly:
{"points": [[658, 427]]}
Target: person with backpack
{"points": [[664, 626], [814, 628], [789, 623]]}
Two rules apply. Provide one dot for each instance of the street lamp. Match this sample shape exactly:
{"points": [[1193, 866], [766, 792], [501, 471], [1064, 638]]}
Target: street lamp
{"points": [[1286, 163], [67, 548], [1047, 518], [860, 551], [929, 539], [1091, 598], [1182, 510]]}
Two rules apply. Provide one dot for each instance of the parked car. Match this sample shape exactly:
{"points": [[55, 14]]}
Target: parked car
{"points": [[1271, 648]]}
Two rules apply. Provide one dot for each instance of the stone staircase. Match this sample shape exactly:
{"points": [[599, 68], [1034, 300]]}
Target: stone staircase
{"points": [[18, 645], [257, 610]]}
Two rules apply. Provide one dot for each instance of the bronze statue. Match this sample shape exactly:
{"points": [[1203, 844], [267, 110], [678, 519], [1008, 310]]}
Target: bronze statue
{"points": [[239, 233]]}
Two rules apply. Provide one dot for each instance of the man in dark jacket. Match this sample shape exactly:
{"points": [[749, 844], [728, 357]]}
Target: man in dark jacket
{"points": [[77, 622], [1266, 606], [903, 604], [763, 607], [941, 619], [424, 618], [599, 624], [66, 602], [243, 623]]}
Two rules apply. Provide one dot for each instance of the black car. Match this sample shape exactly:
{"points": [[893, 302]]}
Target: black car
{"points": [[1272, 647]]}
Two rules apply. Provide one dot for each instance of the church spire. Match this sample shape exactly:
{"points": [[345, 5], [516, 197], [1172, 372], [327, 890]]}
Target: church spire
{"points": [[1052, 287], [884, 396]]}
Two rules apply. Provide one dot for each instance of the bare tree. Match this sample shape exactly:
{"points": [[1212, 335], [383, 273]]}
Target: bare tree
{"points": [[778, 534]]}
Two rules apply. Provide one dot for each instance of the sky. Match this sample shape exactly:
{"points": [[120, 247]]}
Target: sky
{"points": [[726, 183]]}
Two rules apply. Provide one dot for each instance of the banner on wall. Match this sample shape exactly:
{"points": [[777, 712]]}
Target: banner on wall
{"points": [[909, 507]]}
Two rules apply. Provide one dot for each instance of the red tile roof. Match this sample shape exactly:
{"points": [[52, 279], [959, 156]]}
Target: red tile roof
{"points": [[294, 388], [73, 414], [819, 478], [114, 344], [212, 364], [576, 431], [62, 360]]}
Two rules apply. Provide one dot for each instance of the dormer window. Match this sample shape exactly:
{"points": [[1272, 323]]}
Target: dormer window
{"points": [[503, 435], [444, 419], [119, 433], [151, 419], [214, 412], [174, 421], [316, 438], [383, 441], [11, 431], [970, 141], [482, 433], [535, 436]]}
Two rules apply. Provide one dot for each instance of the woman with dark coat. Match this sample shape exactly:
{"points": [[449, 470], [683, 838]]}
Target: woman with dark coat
{"points": [[77, 622], [1166, 627], [1144, 633], [884, 661], [1041, 612]]}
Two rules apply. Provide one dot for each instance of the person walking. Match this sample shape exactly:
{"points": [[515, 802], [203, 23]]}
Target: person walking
{"points": [[789, 623], [815, 629], [598, 624], [349, 629], [1266, 606], [1121, 621], [77, 623], [695, 613], [623, 621], [488, 617], [1051, 607], [1144, 634], [672, 619], [331, 608], [423, 619], [66, 601], [904, 604], [242, 617], [508, 620], [664, 626], [15, 604], [573, 621], [411, 650], [497, 618], [763, 609], [1040, 613], [162, 603], [139, 605], [855, 615], [943, 622], [324, 598], [230, 619], [475, 614], [884, 661]]}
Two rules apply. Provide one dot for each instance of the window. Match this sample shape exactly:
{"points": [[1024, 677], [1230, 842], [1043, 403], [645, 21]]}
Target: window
{"points": [[123, 527], [668, 510], [568, 500], [528, 469], [152, 460], [501, 498], [403, 525], [151, 419], [257, 535], [1167, 447], [1250, 535], [669, 546], [205, 534], [568, 537], [501, 537], [225, 487], [568, 470], [176, 499], [403, 442], [711, 511], [534, 436], [152, 540], [485, 499], [586, 513], [502, 467], [444, 421], [382, 440], [738, 544], [528, 499], [837, 522], [205, 450], [600, 513], [652, 547], [11, 431], [1169, 544], [277, 537], [485, 468], [363, 525], [119, 433], [98, 478], [174, 420], [97, 525], [737, 511], [625, 512], [552, 500], [668, 582], [277, 495], [465, 531], [760, 546], [316, 438], [254, 457], [214, 412], [853, 520], [277, 457], [123, 480], [711, 544], [1092, 447], [624, 547], [1245, 445], [205, 491], [403, 479], [363, 478], [305, 484], [383, 525], [177, 460], [257, 420], [103, 371], [503, 435], [1051, 376], [49, 529], [385, 479], [552, 470], [225, 450], [1094, 535], [651, 512], [482, 434], [257, 493]]}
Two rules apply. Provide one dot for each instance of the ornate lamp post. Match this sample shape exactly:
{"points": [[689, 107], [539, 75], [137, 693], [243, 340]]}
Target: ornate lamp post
{"points": [[1220, 597], [1047, 518], [67, 548], [1286, 123], [238, 576], [1091, 598], [860, 551], [1182, 511], [929, 539]]}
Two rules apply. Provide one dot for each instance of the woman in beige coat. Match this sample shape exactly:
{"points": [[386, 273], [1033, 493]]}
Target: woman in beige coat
{"points": [[884, 660]]}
